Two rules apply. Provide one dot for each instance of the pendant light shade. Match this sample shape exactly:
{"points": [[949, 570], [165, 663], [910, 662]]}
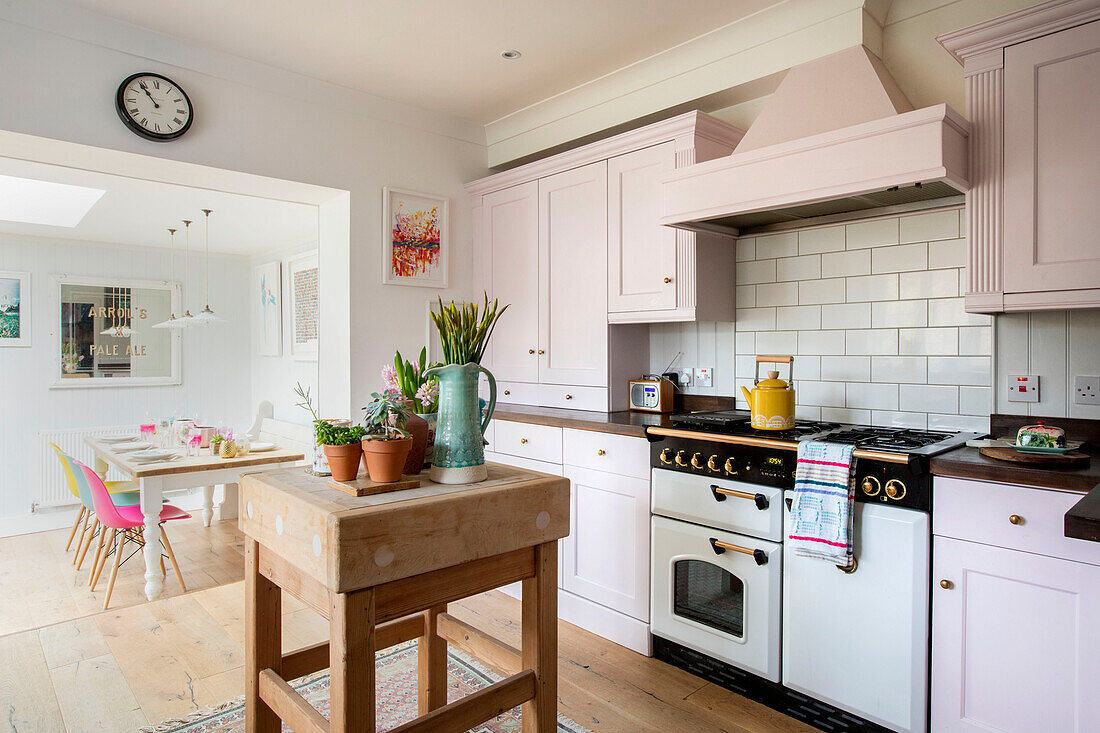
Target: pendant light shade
{"points": [[207, 317], [172, 321]]}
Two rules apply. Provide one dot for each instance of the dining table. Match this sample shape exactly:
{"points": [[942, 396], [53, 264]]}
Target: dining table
{"points": [[181, 471]]}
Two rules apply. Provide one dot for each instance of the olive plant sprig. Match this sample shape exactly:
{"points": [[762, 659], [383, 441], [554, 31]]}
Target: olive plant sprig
{"points": [[463, 332]]}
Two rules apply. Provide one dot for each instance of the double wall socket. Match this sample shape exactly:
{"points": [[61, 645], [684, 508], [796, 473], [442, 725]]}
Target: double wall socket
{"points": [[1086, 390]]}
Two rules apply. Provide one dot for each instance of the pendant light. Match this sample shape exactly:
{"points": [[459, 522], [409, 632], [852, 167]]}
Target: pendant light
{"points": [[207, 317], [186, 320], [172, 321], [118, 328]]}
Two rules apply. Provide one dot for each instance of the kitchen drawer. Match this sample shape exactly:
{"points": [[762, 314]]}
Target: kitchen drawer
{"points": [[530, 464], [619, 454], [540, 442], [573, 398], [694, 499], [980, 511], [517, 393]]}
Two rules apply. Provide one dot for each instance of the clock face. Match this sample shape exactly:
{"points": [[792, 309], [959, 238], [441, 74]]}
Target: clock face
{"points": [[154, 107]]}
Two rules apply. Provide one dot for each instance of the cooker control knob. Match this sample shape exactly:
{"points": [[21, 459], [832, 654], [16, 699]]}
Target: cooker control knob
{"points": [[895, 489], [666, 455], [871, 486], [712, 463], [697, 460], [729, 467], [680, 460]]}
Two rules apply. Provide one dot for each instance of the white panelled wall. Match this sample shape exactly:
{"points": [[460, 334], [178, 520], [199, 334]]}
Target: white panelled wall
{"points": [[873, 315], [215, 363]]}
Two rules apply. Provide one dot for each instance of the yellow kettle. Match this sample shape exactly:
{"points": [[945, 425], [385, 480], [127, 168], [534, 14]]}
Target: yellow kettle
{"points": [[772, 399]]}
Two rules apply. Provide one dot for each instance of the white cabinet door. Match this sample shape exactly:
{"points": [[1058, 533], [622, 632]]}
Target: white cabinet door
{"points": [[572, 292], [641, 254], [509, 230], [1015, 646], [1052, 162], [605, 558]]}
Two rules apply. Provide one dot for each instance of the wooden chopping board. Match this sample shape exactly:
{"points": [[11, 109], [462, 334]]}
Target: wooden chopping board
{"points": [[1008, 453], [363, 486]]}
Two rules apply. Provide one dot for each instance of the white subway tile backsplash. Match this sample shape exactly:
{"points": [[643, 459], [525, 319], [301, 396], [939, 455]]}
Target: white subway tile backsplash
{"points": [[827, 394], [777, 294], [872, 287], [745, 296], [745, 249], [846, 315], [877, 233], [902, 258], [846, 368], [972, 370], [776, 342], [807, 412], [756, 319], [912, 420], [947, 253], [929, 341], [928, 284], [975, 340], [744, 365], [756, 271], [922, 398], [806, 267], [826, 239], [797, 318], [811, 292], [898, 369], [951, 312], [821, 342], [958, 422], [975, 400], [871, 396], [843, 264], [871, 342], [777, 245], [930, 226], [744, 342], [809, 367], [840, 414], [899, 314]]}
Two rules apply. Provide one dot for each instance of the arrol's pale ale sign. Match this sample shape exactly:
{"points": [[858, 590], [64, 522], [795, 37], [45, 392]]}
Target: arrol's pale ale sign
{"points": [[121, 317]]}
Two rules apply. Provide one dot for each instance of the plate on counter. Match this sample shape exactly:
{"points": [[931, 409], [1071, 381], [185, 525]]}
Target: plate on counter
{"points": [[112, 439], [131, 447], [261, 447], [1071, 445]]}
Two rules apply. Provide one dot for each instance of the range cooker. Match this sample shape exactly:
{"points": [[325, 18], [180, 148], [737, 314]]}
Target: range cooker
{"points": [[839, 649]]}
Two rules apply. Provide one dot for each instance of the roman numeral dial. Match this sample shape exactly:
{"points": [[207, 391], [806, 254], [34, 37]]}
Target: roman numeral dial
{"points": [[153, 107]]}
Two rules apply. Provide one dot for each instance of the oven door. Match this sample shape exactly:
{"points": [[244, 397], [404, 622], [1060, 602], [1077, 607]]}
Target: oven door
{"points": [[718, 593]]}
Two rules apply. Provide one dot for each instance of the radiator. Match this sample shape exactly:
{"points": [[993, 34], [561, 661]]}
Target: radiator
{"points": [[55, 487]]}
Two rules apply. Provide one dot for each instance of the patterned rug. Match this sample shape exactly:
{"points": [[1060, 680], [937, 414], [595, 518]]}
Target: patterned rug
{"points": [[396, 691]]}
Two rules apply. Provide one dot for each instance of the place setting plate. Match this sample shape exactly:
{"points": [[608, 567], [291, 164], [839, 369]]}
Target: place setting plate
{"points": [[113, 439], [261, 447], [131, 447]]}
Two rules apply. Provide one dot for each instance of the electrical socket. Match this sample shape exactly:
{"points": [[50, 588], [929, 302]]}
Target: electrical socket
{"points": [[1086, 390], [704, 376], [685, 376]]}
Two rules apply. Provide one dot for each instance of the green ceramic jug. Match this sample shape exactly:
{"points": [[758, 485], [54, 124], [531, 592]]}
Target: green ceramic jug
{"points": [[459, 456]]}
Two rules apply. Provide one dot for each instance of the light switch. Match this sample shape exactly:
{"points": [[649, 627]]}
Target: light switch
{"points": [[1023, 387], [703, 377]]}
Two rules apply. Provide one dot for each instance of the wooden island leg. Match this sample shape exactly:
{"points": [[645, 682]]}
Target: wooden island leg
{"points": [[351, 662], [431, 664], [540, 640], [263, 640]]}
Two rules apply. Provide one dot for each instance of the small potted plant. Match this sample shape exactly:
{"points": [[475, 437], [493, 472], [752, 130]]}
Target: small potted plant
{"points": [[340, 443], [387, 444], [406, 381]]}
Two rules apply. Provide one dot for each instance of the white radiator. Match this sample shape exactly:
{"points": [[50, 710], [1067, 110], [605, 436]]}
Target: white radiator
{"points": [[55, 487]]}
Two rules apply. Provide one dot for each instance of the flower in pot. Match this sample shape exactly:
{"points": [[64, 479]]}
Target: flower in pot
{"points": [[386, 444], [407, 381], [341, 444]]}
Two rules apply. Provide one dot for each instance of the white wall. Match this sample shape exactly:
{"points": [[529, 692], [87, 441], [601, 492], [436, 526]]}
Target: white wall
{"points": [[214, 365]]}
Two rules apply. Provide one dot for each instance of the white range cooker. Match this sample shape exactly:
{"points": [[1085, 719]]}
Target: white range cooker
{"points": [[840, 650]]}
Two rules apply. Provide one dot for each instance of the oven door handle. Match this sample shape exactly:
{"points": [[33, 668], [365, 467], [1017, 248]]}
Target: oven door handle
{"points": [[720, 547], [720, 494]]}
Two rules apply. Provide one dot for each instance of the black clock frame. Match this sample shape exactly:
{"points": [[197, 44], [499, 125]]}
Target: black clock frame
{"points": [[120, 108]]}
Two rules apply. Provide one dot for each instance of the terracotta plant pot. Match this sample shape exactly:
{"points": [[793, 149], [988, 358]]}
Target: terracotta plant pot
{"points": [[418, 427], [343, 460], [385, 459]]}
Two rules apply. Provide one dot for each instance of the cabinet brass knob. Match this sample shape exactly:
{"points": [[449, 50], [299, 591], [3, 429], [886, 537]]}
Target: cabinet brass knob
{"points": [[507, 392], [531, 351], [523, 440], [946, 584], [541, 351], [1016, 519], [569, 397], [601, 452], [668, 279]]}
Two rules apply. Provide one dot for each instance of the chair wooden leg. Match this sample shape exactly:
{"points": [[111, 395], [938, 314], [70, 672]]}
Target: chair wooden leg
{"points": [[98, 570], [172, 556], [76, 524], [83, 532], [114, 571], [98, 552], [88, 544]]}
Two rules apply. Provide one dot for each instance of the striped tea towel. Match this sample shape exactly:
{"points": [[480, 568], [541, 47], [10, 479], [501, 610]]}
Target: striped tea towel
{"points": [[821, 512]]}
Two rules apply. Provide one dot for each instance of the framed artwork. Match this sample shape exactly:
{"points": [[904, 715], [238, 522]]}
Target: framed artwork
{"points": [[415, 232], [303, 273], [15, 303], [267, 299]]}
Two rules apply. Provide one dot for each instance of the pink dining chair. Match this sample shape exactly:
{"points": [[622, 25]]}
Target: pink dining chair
{"points": [[126, 523]]}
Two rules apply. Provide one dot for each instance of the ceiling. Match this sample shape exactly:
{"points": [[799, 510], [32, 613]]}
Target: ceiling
{"points": [[440, 55], [138, 212]]}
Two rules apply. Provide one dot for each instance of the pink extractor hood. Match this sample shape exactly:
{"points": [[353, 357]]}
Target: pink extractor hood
{"points": [[837, 138]]}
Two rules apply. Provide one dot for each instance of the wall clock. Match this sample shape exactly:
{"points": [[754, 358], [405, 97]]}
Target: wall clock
{"points": [[153, 106]]}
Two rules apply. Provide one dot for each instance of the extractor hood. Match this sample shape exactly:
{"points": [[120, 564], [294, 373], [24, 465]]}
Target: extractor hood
{"points": [[837, 138]]}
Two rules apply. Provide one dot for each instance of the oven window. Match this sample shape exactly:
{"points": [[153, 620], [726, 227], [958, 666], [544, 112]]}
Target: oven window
{"points": [[707, 594]]}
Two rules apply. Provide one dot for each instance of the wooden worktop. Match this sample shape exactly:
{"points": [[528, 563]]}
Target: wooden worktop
{"points": [[969, 463], [620, 423]]}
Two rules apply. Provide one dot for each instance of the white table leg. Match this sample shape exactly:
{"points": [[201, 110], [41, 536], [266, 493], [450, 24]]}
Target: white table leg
{"points": [[228, 507], [151, 504], [207, 505]]}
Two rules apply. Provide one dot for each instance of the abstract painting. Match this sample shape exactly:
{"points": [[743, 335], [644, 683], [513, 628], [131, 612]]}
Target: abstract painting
{"points": [[15, 301], [304, 310], [267, 299], [414, 238]]}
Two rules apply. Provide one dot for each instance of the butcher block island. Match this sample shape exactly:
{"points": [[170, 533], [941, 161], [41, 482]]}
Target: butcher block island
{"points": [[381, 569]]}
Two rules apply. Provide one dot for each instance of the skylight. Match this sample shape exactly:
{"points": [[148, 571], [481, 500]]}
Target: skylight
{"points": [[29, 201]]}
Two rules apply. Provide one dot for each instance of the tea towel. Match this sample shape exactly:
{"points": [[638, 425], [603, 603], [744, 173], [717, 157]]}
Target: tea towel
{"points": [[821, 510]]}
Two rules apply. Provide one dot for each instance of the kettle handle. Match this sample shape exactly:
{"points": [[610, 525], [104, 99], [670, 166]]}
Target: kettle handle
{"points": [[772, 359]]}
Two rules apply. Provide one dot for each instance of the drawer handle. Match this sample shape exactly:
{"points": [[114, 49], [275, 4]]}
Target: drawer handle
{"points": [[523, 440], [569, 397], [541, 351], [668, 280], [946, 584], [1016, 519], [531, 351], [720, 494], [507, 392], [601, 452], [720, 548]]}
